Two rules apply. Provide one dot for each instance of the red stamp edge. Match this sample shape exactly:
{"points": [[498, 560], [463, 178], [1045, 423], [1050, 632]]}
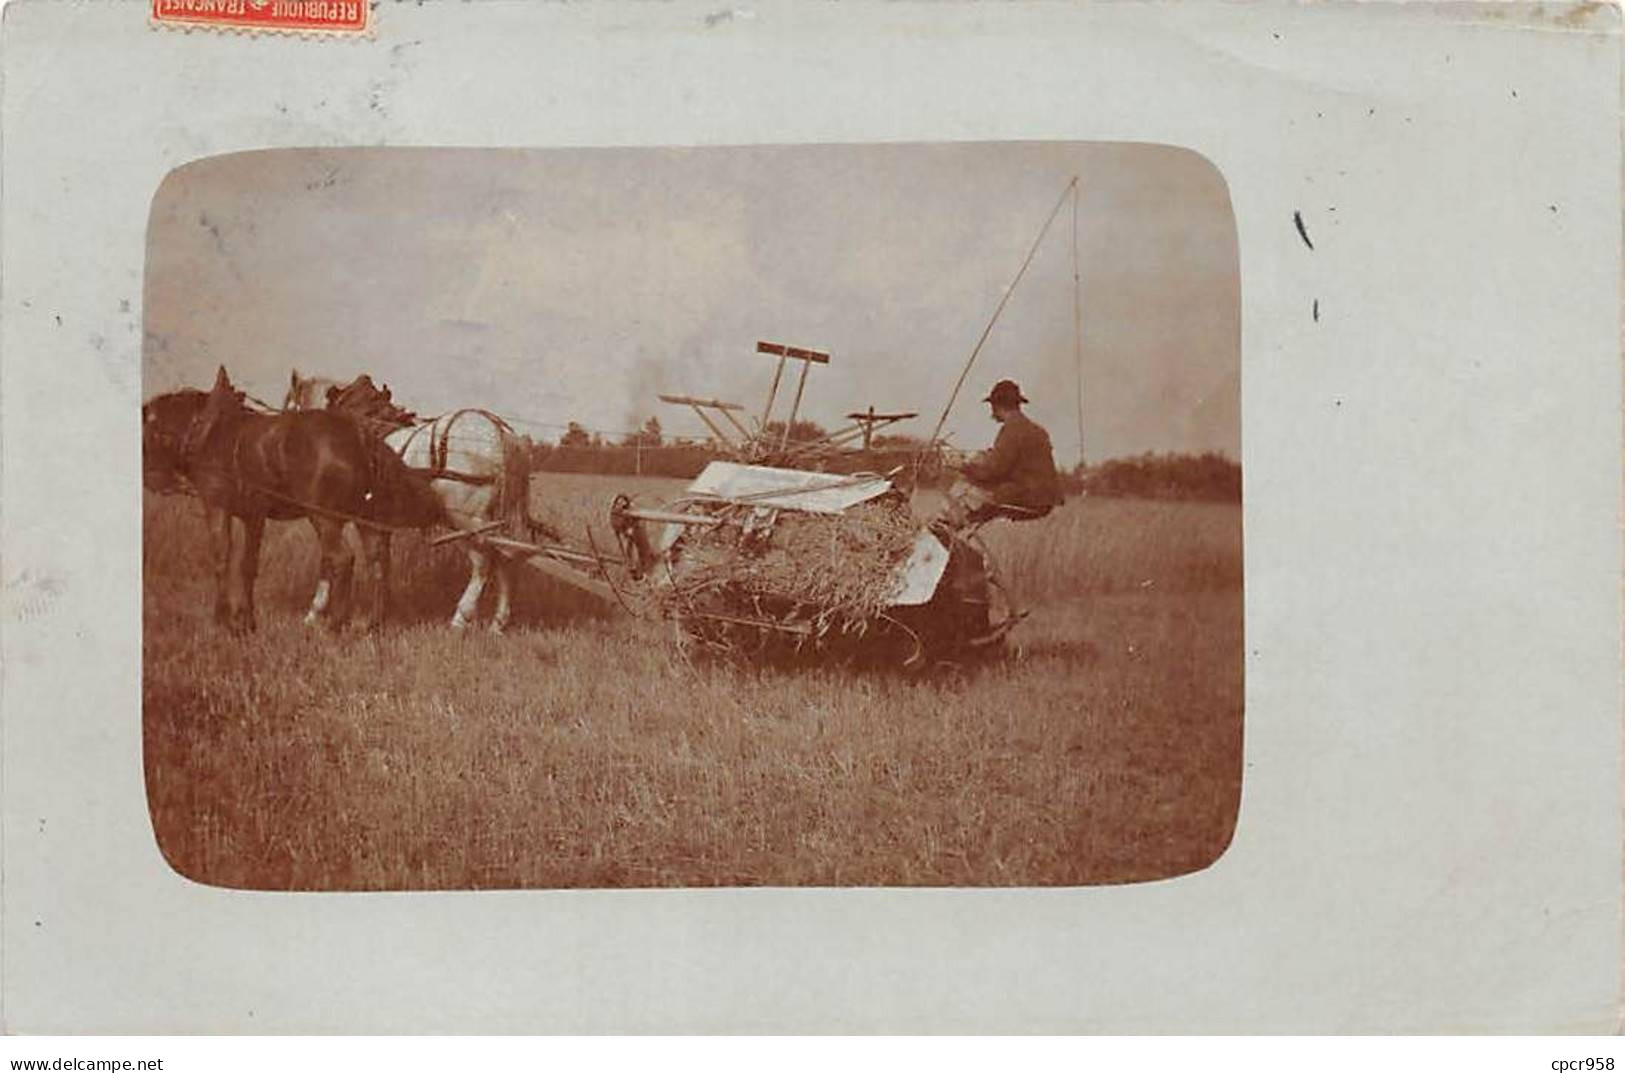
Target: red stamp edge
{"points": [[272, 16]]}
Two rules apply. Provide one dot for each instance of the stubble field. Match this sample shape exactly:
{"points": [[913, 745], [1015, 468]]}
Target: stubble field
{"points": [[578, 750]]}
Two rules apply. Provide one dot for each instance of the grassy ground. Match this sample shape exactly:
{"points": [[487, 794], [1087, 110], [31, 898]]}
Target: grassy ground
{"points": [[578, 750]]}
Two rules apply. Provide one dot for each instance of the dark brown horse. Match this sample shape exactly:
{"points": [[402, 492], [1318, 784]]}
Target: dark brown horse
{"points": [[253, 466]]}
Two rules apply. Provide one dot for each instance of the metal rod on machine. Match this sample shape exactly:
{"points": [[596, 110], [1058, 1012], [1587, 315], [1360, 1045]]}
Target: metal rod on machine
{"points": [[726, 409], [1077, 315], [785, 353], [573, 577], [872, 421], [722, 437], [552, 551], [689, 400], [464, 534], [743, 431], [834, 439], [773, 392], [1008, 291], [647, 515], [795, 407]]}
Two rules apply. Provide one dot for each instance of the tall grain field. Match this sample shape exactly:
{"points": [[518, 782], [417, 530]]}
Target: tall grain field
{"points": [[578, 750]]}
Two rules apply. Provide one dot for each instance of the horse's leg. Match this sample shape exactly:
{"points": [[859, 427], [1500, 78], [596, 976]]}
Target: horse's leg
{"points": [[318, 603], [332, 582], [468, 605], [343, 582], [376, 542], [218, 522], [324, 581], [253, 531], [504, 574]]}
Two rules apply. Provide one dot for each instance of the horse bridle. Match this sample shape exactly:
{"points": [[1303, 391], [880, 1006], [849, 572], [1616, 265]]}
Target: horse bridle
{"points": [[173, 446]]}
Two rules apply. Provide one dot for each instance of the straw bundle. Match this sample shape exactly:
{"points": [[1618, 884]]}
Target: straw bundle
{"points": [[817, 569]]}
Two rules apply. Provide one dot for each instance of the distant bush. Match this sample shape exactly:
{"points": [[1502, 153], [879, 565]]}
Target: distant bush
{"points": [[1208, 477]]}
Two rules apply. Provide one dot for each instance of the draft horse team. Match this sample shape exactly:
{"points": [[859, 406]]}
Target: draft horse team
{"points": [[357, 461]]}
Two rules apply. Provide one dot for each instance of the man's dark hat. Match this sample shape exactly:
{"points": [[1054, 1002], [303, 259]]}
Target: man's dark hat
{"points": [[1005, 393]]}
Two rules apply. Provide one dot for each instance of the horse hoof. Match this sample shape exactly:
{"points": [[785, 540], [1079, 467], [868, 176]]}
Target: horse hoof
{"points": [[499, 628], [459, 623]]}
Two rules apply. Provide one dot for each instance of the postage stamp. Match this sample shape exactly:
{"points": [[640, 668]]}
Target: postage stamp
{"points": [[290, 16]]}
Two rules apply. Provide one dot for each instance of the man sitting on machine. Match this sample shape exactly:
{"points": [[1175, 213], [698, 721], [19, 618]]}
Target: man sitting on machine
{"points": [[1016, 479]]}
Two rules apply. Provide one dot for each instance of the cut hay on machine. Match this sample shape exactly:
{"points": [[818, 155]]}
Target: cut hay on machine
{"points": [[756, 559]]}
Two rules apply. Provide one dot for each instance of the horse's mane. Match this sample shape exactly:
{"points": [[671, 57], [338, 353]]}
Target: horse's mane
{"points": [[168, 400]]}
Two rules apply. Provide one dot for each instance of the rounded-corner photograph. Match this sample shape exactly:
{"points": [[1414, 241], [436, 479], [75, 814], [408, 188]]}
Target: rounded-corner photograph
{"points": [[757, 516]]}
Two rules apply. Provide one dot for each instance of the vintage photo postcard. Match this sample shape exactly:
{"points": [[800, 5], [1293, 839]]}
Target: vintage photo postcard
{"points": [[878, 518], [739, 627]]}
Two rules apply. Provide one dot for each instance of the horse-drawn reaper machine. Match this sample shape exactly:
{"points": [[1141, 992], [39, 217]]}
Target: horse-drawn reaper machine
{"points": [[757, 556]]}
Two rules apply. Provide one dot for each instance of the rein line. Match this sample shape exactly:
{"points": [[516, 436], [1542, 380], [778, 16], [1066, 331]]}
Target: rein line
{"points": [[332, 512]]}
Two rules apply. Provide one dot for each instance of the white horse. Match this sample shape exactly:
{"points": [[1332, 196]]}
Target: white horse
{"points": [[477, 467]]}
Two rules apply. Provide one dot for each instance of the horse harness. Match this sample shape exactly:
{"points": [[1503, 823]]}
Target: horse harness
{"points": [[439, 430]]}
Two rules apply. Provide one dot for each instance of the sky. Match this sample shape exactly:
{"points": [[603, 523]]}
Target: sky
{"points": [[575, 285]]}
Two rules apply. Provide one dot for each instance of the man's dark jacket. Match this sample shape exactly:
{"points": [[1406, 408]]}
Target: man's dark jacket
{"points": [[1020, 470]]}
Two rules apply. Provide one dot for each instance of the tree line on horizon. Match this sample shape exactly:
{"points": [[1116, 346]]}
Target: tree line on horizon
{"points": [[648, 451]]}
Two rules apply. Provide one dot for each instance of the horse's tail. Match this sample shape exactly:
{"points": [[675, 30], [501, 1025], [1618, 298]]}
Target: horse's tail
{"points": [[513, 488]]}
